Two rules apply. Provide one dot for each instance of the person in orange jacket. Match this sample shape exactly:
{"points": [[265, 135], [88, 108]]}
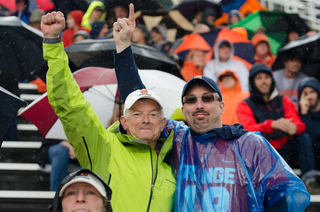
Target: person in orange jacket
{"points": [[262, 50], [194, 64], [232, 93]]}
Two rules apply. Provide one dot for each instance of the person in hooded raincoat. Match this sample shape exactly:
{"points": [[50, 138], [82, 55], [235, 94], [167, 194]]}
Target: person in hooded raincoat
{"points": [[95, 12], [82, 190], [218, 167], [193, 64], [232, 94], [74, 19], [223, 59], [276, 117], [309, 110], [262, 50]]}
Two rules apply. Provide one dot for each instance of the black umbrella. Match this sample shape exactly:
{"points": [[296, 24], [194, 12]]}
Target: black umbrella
{"points": [[177, 25], [100, 53], [138, 4], [21, 48], [189, 8], [308, 49], [9, 106]]}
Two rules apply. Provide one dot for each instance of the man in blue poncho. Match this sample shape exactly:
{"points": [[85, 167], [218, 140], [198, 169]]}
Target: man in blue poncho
{"points": [[218, 167]]}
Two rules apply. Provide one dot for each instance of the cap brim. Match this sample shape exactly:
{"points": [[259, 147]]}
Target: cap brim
{"points": [[100, 188]]}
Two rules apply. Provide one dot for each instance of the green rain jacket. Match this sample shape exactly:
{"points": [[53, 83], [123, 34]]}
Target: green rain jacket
{"points": [[140, 180], [86, 17]]}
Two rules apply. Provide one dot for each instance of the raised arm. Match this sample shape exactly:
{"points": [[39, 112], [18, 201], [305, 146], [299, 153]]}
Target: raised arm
{"points": [[81, 124], [124, 64], [52, 24]]}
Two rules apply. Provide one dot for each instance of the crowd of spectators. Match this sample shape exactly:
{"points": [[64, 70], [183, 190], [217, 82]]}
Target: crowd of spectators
{"points": [[283, 105]]}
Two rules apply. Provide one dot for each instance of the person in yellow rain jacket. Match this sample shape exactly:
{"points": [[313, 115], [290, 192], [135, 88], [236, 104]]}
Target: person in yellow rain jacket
{"points": [[133, 163]]}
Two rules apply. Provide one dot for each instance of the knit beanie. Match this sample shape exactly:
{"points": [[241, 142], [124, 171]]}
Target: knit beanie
{"points": [[309, 82]]}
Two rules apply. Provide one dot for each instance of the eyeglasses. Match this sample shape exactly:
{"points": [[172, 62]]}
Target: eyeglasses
{"points": [[204, 98]]}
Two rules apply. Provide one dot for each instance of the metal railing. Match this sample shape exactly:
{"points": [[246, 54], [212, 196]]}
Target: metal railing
{"points": [[309, 10]]}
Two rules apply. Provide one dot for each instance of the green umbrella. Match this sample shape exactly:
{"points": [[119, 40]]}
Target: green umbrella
{"points": [[276, 25]]}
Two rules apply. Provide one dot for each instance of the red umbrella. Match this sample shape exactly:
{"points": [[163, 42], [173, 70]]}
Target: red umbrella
{"points": [[45, 5], [9, 4], [99, 87], [42, 115]]}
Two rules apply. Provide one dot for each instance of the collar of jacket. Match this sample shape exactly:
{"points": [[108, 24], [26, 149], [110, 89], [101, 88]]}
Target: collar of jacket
{"points": [[226, 132], [130, 140]]}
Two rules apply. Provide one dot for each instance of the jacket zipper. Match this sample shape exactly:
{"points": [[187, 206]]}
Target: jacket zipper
{"points": [[85, 143], [152, 182]]}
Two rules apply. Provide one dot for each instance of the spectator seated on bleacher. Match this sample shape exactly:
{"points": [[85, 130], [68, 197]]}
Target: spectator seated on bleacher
{"points": [[95, 12], [193, 64], [309, 108], [74, 19], [276, 117], [59, 154], [288, 78], [262, 50], [223, 59], [159, 39], [230, 87]]}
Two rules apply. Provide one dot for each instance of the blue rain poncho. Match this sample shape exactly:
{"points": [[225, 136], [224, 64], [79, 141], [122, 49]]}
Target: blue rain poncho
{"points": [[225, 169]]}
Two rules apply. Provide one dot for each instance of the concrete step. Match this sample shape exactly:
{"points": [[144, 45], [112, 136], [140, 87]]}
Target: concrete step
{"points": [[26, 201], [19, 151], [28, 88], [24, 180]]}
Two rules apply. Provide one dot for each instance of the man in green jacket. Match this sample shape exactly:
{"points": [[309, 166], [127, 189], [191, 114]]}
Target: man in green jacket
{"points": [[130, 156]]}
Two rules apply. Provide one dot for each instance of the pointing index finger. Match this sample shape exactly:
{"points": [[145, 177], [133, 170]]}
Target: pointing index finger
{"points": [[131, 13]]}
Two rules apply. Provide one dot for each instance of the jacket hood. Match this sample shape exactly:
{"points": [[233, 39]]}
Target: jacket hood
{"points": [[254, 92], [216, 51], [310, 82], [258, 38], [77, 16], [92, 6], [229, 72], [206, 13], [234, 12], [125, 139]]}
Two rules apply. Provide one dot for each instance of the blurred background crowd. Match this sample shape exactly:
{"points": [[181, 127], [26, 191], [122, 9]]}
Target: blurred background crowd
{"points": [[233, 42]]}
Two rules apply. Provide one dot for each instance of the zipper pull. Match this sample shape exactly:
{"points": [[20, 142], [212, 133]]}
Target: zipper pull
{"points": [[152, 189]]}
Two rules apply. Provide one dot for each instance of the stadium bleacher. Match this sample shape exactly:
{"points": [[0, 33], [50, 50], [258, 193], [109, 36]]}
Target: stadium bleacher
{"points": [[24, 185]]}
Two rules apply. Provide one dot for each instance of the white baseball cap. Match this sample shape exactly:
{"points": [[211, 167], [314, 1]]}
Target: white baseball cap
{"points": [[86, 178], [140, 94]]}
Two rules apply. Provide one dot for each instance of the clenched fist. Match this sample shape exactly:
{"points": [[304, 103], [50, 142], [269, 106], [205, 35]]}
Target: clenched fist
{"points": [[52, 24]]}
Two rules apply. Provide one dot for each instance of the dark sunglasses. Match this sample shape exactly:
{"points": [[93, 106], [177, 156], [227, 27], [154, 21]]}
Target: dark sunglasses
{"points": [[204, 98], [99, 9]]}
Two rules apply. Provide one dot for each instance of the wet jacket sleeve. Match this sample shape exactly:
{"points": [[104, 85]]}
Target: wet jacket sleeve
{"points": [[127, 73], [290, 112], [246, 118], [81, 124]]}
